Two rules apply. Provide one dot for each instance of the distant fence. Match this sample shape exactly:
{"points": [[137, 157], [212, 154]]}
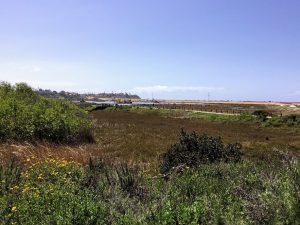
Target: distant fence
{"points": [[215, 108]]}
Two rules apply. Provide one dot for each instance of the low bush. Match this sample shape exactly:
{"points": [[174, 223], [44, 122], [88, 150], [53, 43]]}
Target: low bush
{"points": [[61, 192], [193, 150], [262, 114], [24, 115], [50, 193], [284, 121]]}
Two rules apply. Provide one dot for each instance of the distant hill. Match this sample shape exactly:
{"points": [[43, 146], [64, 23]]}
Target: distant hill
{"points": [[77, 97]]}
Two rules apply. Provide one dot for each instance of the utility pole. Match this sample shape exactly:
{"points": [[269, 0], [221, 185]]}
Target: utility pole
{"points": [[208, 96]]}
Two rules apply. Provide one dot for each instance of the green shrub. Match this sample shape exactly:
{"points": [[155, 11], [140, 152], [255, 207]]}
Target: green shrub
{"points": [[246, 117], [262, 114], [231, 193], [292, 120], [24, 115], [50, 193], [10, 175], [61, 192], [193, 150]]}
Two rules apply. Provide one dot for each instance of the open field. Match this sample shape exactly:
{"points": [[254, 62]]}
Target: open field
{"points": [[229, 107], [144, 136], [276, 108], [64, 164], [118, 175], [230, 102], [141, 136], [121, 185]]}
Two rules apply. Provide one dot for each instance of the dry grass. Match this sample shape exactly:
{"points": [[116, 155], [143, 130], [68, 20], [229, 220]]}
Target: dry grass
{"points": [[25, 152]]}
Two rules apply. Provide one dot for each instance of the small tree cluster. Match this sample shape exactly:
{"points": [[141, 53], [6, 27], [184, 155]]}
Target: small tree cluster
{"points": [[193, 150]]}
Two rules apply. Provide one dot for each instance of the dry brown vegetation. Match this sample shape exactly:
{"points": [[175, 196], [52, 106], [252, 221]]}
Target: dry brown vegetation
{"points": [[140, 138], [144, 136], [32, 152]]}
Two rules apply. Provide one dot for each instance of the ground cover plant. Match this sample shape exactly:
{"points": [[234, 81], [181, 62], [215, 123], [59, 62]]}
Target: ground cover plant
{"points": [[24, 115], [61, 192]]}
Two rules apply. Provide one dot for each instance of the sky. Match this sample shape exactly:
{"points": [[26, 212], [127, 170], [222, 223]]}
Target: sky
{"points": [[168, 49]]}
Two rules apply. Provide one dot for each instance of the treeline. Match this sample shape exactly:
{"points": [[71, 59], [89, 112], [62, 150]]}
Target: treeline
{"points": [[73, 96], [25, 115]]}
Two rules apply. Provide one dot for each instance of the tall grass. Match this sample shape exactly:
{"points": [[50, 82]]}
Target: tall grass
{"points": [[24, 115]]}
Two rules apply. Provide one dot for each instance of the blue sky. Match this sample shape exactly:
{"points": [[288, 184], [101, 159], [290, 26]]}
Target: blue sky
{"points": [[234, 49]]}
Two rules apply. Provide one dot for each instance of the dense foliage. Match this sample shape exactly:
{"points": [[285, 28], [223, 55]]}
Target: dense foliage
{"points": [[292, 120], [25, 115], [193, 150], [262, 114], [61, 192]]}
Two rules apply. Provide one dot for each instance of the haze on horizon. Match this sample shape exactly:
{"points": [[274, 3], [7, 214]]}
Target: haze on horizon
{"points": [[171, 49]]}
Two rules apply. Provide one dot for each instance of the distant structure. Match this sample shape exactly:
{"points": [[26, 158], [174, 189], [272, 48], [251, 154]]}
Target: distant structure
{"points": [[78, 97]]}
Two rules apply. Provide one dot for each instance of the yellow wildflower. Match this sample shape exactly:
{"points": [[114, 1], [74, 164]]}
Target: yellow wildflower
{"points": [[13, 188], [54, 173], [26, 189], [14, 209]]}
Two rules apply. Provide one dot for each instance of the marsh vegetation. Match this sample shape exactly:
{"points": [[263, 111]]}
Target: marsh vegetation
{"points": [[62, 165]]}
